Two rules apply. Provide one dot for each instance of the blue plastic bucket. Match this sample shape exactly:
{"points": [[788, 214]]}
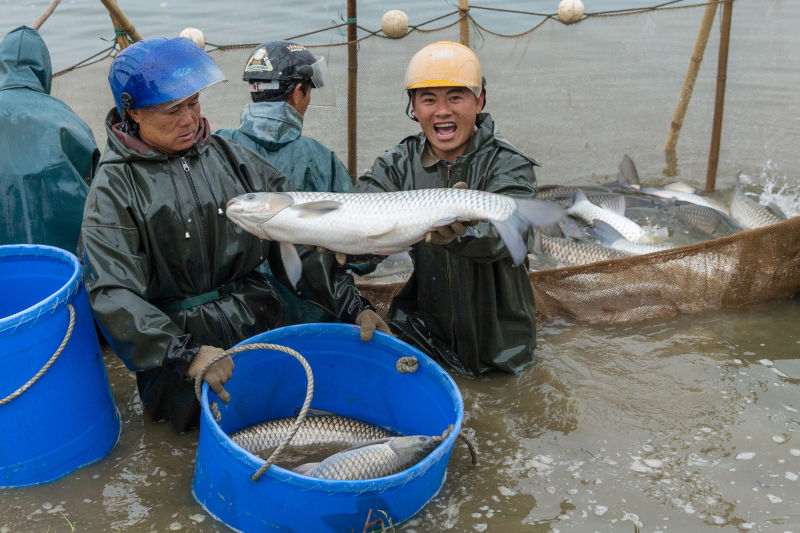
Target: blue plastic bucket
{"points": [[351, 378], [67, 417]]}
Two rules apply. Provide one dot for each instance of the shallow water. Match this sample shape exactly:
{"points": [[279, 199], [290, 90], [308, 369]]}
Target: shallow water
{"points": [[682, 425]]}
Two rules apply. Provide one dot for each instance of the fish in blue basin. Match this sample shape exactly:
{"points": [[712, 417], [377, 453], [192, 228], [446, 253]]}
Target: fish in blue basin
{"points": [[373, 459], [318, 428]]}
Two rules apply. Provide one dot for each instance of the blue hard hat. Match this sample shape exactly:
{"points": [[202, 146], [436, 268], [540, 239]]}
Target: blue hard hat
{"points": [[158, 70]]}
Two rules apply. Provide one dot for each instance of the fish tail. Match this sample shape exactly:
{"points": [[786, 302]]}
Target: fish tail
{"points": [[528, 214]]}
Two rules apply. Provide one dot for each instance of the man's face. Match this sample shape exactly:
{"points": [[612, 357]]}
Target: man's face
{"points": [[447, 117], [169, 130]]}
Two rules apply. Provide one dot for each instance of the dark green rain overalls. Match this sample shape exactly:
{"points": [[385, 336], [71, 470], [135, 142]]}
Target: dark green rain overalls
{"points": [[47, 153], [166, 271], [465, 304]]}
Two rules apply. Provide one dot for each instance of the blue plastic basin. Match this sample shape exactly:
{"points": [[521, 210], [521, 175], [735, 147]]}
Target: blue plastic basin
{"points": [[351, 378], [67, 418]]}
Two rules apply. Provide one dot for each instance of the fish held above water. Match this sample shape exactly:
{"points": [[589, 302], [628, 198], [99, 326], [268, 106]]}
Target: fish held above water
{"points": [[385, 223], [374, 459], [319, 427]]}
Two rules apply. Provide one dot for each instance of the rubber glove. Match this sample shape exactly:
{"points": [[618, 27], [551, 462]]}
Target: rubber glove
{"points": [[217, 374], [447, 234], [369, 321]]}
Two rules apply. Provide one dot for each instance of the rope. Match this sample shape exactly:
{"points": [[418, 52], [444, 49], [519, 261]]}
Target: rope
{"points": [[198, 387], [407, 365], [49, 363]]}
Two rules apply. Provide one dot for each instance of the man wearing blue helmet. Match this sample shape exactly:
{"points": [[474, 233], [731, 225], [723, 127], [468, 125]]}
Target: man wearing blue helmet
{"points": [[171, 281]]}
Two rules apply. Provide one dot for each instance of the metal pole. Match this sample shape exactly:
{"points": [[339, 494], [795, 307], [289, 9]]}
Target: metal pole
{"points": [[691, 76], [463, 8], [47, 12], [352, 86], [722, 68], [124, 23]]}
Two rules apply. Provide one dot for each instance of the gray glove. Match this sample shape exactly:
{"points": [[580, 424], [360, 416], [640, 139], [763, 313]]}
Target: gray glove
{"points": [[217, 374], [447, 234], [369, 321]]}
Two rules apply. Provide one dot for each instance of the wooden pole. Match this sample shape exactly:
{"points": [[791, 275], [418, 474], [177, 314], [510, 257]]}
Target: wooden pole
{"points": [[116, 13], [719, 104], [691, 76], [463, 8], [122, 39], [46, 13], [352, 76]]}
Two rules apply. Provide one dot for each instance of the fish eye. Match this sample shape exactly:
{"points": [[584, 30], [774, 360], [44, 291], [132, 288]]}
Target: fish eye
{"points": [[251, 196]]}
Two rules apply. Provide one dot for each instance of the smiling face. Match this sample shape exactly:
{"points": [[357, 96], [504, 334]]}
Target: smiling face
{"points": [[169, 130], [447, 117]]}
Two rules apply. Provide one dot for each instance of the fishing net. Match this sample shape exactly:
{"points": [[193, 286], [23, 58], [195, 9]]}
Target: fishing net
{"points": [[732, 272]]}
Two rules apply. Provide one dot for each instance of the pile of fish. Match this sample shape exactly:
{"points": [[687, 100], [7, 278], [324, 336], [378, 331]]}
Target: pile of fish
{"points": [[370, 451], [625, 218]]}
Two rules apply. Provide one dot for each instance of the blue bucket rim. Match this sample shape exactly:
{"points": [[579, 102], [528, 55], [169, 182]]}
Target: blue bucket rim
{"points": [[282, 475], [10, 252]]}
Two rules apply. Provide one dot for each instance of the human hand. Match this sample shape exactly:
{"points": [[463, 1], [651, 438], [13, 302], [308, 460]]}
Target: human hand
{"points": [[217, 374], [369, 321], [447, 234], [340, 258]]}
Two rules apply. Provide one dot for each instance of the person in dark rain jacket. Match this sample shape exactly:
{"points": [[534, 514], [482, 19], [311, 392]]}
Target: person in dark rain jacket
{"points": [[281, 76], [47, 153], [465, 304], [171, 281]]}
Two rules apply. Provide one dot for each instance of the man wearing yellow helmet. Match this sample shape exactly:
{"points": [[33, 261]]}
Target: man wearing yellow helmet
{"points": [[465, 304]]}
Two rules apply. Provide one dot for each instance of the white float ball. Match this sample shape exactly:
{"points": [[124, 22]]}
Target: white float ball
{"points": [[570, 11], [394, 23], [195, 35]]}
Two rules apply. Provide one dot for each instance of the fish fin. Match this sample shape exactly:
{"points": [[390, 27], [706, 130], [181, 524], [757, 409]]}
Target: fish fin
{"points": [[383, 233], [627, 173], [313, 412], [315, 209], [773, 208], [292, 265], [537, 243], [580, 196], [391, 251], [305, 468], [605, 232], [571, 228], [615, 205], [528, 213], [680, 186]]}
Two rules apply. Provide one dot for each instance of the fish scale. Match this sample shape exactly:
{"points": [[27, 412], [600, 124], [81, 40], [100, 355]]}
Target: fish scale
{"points": [[316, 429]]}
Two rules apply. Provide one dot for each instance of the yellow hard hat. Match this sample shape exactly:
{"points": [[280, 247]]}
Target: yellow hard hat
{"points": [[445, 64]]}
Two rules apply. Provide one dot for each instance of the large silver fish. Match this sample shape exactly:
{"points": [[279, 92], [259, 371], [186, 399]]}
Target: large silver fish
{"points": [[319, 427], [572, 252], [374, 459], [384, 223], [612, 214], [751, 214]]}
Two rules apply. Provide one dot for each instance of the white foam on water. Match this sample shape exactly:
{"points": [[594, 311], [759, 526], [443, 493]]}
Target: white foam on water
{"points": [[766, 362], [795, 452], [774, 499], [746, 456], [791, 476], [781, 374], [599, 510], [792, 409], [779, 439]]}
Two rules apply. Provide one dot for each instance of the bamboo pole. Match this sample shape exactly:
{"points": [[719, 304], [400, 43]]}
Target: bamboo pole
{"points": [[124, 23], [46, 13], [463, 8], [719, 104], [691, 76], [352, 76], [122, 39]]}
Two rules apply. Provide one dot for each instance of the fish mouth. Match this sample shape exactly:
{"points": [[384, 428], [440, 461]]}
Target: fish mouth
{"points": [[445, 130]]}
